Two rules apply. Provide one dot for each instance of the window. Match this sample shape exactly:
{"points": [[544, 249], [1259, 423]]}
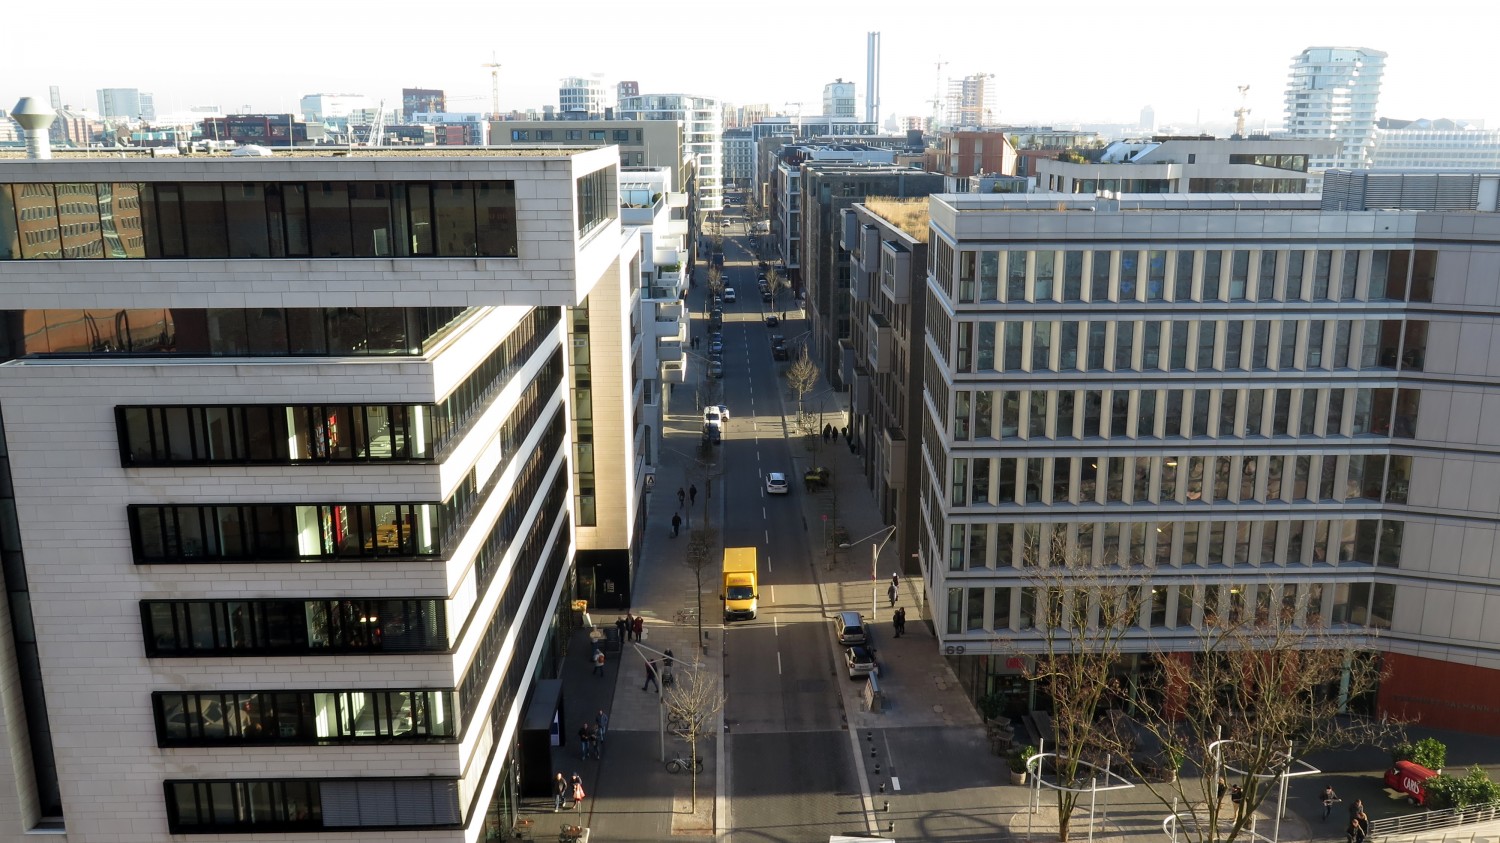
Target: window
{"points": [[269, 532], [1265, 282], [1146, 414], [1179, 344], [1234, 341], [1228, 399], [1287, 357], [1099, 283], [1213, 271], [274, 805], [303, 717], [1010, 414], [1239, 275], [1072, 276], [1066, 400], [1151, 346], [961, 409], [1294, 271], [1172, 416], [1124, 345], [598, 200], [1156, 276], [1207, 335], [253, 627], [1015, 276], [1037, 416], [1096, 339], [1043, 270], [1260, 346], [1322, 273], [1068, 347], [1182, 284]]}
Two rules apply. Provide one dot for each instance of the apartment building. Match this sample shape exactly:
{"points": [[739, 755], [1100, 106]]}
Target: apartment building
{"points": [[1434, 145], [1333, 93], [702, 124], [290, 503], [1185, 165], [1260, 404]]}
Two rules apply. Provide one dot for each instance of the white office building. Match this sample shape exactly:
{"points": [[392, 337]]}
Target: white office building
{"points": [[839, 101], [293, 505], [1333, 94], [739, 157], [1186, 166], [1258, 403], [580, 98], [1435, 145], [702, 131]]}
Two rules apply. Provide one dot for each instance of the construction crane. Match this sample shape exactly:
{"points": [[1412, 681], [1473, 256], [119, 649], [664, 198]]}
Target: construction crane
{"points": [[1241, 113], [377, 127], [799, 105], [937, 94], [494, 67]]}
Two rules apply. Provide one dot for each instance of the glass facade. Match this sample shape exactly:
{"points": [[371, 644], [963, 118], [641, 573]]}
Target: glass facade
{"points": [[325, 219], [273, 805], [204, 718], [290, 627]]}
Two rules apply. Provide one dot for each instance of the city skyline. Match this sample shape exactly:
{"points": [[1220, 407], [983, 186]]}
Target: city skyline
{"points": [[1095, 66]]}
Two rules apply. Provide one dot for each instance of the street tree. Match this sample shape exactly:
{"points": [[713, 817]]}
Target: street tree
{"points": [[701, 559], [1270, 683], [802, 376], [693, 706], [776, 282], [1084, 609], [715, 281]]}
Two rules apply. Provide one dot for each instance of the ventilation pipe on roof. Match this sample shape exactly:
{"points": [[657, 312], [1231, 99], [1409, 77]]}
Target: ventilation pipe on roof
{"points": [[34, 119]]}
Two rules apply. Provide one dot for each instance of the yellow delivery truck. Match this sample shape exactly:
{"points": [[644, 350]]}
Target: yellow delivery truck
{"points": [[741, 587]]}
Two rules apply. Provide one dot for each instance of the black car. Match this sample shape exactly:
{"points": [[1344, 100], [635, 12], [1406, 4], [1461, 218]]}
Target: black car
{"points": [[772, 321], [765, 295], [779, 351]]}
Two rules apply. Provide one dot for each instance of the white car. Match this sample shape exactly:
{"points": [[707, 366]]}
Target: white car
{"points": [[776, 483], [729, 295], [715, 414]]}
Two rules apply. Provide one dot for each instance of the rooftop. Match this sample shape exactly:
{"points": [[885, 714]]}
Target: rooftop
{"points": [[388, 152], [909, 215]]}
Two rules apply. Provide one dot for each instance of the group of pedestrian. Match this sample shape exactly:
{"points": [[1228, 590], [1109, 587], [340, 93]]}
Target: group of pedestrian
{"points": [[566, 788], [589, 741], [898, 621], [631, 628], [827, 433], [694, 342]]}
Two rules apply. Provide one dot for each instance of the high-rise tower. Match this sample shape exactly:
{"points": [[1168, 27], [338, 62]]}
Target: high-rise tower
{"points": [[1332, 93]]}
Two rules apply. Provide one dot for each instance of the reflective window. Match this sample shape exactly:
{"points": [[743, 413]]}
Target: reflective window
{"points": [[303, 717], [194, 628], [275, 805]]}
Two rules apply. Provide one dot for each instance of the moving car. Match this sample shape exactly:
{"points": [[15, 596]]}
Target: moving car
{"points": [[860, 662], [1409, 778], [850, 628], [779, 350], [776, 483], [716, 412], [729, 295], [713, 434], [772, 321]]}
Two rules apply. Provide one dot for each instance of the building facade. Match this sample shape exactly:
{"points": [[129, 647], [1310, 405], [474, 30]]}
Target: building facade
{"points": [[1255, 402], [1185, 165], [422, 100], [972, 152], [739, 158], [580, 98], [971, 101], [1333, 94], [335, 108], [305, 561], [126, 103], [1434, 145], [702, 136], [839, 100]]}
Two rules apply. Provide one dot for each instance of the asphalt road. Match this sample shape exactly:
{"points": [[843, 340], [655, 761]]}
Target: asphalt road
{"points": [[791, 772]]}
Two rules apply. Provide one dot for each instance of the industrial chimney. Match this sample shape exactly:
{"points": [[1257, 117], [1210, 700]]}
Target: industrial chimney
{"points": [[34, 119]]}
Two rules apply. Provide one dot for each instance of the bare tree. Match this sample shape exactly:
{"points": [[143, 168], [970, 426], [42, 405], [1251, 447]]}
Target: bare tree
{"points": [[702, 560], [1272, 683], [776, 282], [1083, 611], [693, 707], [802, 376], [715, 281]]}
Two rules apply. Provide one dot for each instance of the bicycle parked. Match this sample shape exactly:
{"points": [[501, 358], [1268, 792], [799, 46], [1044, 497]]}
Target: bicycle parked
{"points": [[678, 764]]}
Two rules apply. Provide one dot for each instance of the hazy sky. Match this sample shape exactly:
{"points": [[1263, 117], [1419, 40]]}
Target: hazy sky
{"points": [[1080, 60]]}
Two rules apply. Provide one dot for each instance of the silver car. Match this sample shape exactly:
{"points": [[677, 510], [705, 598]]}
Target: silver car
{"points": [[860, 661]]}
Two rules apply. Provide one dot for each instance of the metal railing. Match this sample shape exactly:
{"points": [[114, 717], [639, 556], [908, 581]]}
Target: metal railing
{"points": [[1434, 820]]}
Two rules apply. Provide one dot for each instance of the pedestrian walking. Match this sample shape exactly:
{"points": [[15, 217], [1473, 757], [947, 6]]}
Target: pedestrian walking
{"points": [[620, 628], [629, 627], [891, 593], [681, 497], [1364, 822], [560, 792], [1357, 808], [676, 524], [598, 662], [578, 794], [1355, 833], [594, 742], [640, 628], [693, 493], [602, 721], [895, 580], [584, 744], [650, 677], [900, 622], [1329, 797]]}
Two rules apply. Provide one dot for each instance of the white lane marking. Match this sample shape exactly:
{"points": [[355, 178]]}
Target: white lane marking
{"points": [[895, 783], [773, 590], [778, 663], [775, 625], [768, 537]]}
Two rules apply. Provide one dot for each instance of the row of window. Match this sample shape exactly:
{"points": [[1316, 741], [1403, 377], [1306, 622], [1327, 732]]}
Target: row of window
{"points": [[1040, 414], [327, 219], [1189, 275], [330, 433], [243, 332], [991, 546], [1196, 345], [271, 805], [291, 627], [598, 200], [1001, 481], [266, 532], [544, 135], [1183, 606], [202, 718]]}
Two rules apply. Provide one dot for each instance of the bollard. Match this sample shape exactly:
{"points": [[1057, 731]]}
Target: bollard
{"points": [[891, 826], [887, 806], [882, 787], [872, 752], [877, 768]]}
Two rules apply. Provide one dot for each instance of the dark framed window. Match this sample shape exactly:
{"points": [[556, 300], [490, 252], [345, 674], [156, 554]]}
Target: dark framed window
{"points": [[598, 200], [210, 718], [233, 533], [178, 628], [272, 805]]}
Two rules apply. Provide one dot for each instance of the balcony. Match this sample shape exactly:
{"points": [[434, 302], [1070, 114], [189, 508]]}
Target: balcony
{"points": [[848, 230], [896, 283], [894, 441], [674, 371], [882, 342]]}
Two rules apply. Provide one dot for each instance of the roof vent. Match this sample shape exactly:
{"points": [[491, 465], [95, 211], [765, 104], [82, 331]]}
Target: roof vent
{"points": [[34, 119]]}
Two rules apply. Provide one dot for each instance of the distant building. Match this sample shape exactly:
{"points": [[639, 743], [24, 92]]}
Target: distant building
{"points": [[971, 101], [126, 103], [627, 89], [838, 99], [1332, 94], [971, 152], [261, 129], [1148, 119], [1434, 145], [419, 100], [1185, 165], [337, 108], [580, 98], [702, 127], [456, 129], [739, 157], [75, 128]]}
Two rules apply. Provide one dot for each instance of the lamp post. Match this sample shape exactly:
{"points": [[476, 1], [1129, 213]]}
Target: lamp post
{"points": [[874, 563]]}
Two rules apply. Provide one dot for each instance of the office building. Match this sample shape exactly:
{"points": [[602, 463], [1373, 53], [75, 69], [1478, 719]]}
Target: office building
{"points": [[1147, 122], [422, 100], [702, 137], [292, 554], [278, 130], [971, 102], [838, 100], [580, 98], [1434, 145], [1185, 165], [1262, 405], [1333, 93], [126, 104], [963, 153], [627, 89], [739, 158]]}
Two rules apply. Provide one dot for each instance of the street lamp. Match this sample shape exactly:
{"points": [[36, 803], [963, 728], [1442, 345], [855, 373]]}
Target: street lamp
{"points": [[890, 533], [661, 698]]}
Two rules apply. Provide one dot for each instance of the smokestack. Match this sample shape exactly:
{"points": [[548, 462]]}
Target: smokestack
{"points": [[872, 78], [34, 119]]}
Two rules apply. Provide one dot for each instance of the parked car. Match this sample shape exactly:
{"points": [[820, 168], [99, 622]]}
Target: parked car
{"points": [[713, 434], [776, 483], [779, 351], [729, 295], [860, 661], [765, 295], [762, 266], [849, 627], [1409, 778], [716, 347], [816, 478], [772, 321], [716, 368]]}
